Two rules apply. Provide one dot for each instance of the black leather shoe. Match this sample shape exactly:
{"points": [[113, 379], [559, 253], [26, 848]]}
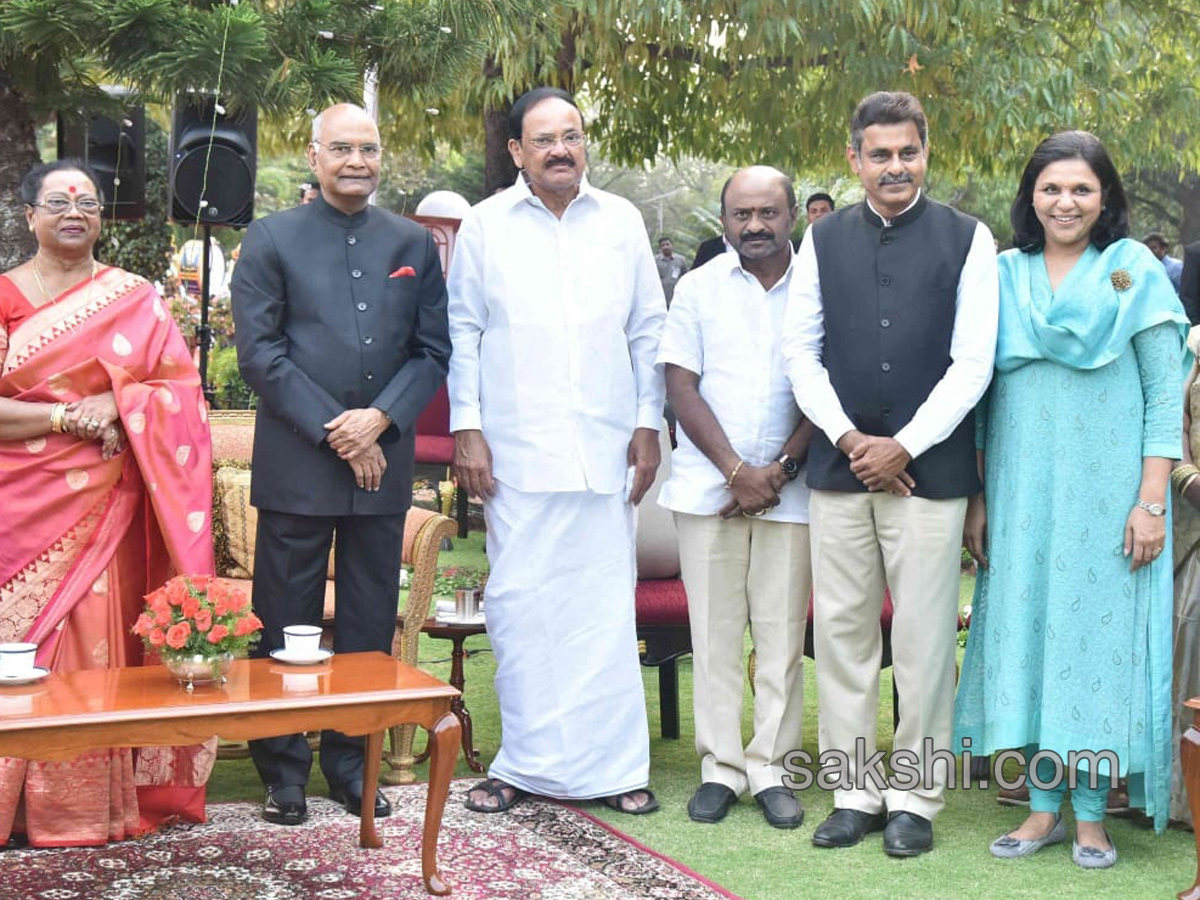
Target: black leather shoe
{"points": [[780, 807], [846, 827], [349, 794], [285, 805], [711, 802], [907, 834]]}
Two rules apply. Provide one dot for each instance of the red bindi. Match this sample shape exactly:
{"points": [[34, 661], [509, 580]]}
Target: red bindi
{"points": [[71, 189]]}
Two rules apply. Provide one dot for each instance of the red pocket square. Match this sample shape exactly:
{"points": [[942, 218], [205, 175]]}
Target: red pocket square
{"points": [[404, 272]]}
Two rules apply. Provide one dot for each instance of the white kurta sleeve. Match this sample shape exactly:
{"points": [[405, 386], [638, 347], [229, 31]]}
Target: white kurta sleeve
{"points": [[972, 351], [642, 329], [468, 318]]}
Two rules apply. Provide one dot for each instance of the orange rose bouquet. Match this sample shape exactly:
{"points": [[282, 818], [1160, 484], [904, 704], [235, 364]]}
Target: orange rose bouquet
{"points": [[198, 620]]}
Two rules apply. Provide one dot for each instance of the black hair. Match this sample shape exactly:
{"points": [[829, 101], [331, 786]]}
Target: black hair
{"points": [[530, 99], [31, 184], [789, 190], [664, 237], [1113, 223], [887, 108], [819, 195]]}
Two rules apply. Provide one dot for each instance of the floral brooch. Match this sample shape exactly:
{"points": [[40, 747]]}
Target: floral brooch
{"points": [[1121, 280]]}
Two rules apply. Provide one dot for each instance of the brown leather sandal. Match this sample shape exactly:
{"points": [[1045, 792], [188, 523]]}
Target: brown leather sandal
{"points": [[649, 805], [494, 787]]}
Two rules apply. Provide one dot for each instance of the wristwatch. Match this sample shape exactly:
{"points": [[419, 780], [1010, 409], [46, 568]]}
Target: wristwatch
{"points": [[1155, 509], [790, 466]]}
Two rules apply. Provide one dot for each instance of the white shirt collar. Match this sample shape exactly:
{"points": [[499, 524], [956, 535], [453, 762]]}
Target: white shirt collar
{"points": [[736, 266], [520, 191]]}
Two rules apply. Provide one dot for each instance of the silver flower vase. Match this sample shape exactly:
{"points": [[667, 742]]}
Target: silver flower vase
{"points": [[191, 669]]}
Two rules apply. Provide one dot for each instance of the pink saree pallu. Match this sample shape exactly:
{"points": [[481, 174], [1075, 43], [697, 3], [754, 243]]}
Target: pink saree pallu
{"points": [[83, 539]]}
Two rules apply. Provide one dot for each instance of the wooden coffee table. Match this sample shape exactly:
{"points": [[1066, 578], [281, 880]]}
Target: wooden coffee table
{"points": [[355, 693]]}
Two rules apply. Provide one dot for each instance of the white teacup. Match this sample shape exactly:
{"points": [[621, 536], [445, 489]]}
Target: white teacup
{"points": [[302, 639], [16, 660]]}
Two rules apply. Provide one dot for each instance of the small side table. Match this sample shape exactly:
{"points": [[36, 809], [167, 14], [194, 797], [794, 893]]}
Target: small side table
{"points": [[1190, 762], [456, 634]]}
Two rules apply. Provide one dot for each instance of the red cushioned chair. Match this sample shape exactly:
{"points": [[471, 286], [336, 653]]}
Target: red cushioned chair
{"points": [[435, 447], [664, 635]]}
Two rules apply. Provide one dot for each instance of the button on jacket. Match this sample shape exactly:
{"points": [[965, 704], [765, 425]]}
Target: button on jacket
{"points": [[322, 326], [555, 324]]}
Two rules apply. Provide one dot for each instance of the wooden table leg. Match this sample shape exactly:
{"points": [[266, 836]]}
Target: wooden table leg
{"points": [[1189, 758], [367, 835], [443, 750], [458, 680]]}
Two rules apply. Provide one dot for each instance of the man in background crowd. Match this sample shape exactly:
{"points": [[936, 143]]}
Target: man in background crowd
{"points": [[670, 266]]}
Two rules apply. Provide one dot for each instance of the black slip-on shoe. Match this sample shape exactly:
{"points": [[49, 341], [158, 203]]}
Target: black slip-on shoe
{"points": [[711, 802], [780, 807], [846, 827], [349, 794], [907, 834], [285, 805]]}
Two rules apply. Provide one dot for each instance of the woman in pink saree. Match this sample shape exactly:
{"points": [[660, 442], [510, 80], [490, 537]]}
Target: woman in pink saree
{"points": [[105, 475]]}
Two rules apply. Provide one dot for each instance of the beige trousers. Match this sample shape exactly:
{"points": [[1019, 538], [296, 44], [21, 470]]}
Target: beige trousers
{"points": [[862, 543], [737, 572]]}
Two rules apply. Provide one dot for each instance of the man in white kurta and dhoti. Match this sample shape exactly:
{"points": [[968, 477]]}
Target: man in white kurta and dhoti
{"points": [[555, 404]]}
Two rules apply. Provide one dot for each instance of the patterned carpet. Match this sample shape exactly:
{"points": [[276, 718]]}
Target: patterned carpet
{"points": [[538, 851]]}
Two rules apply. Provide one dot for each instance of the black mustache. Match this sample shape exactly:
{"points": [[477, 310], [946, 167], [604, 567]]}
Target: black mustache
{"points": [[757, 236], [902, 178], [564, 160]]}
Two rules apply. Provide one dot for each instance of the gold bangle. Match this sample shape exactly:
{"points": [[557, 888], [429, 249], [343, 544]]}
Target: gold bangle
{"points": [[58, 412], [1183, 473], [1187, 484], [734, 473]]}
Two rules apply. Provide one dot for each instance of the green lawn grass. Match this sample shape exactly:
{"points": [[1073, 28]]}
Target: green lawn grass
{"points": [[757, 862]]}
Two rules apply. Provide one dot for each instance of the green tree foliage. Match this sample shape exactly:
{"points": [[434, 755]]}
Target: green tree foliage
{"points": [[744, 81], [286, 57]]}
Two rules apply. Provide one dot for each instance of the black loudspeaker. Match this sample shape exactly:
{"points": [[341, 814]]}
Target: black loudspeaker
{"points": [[213, 163], [116, 150]]}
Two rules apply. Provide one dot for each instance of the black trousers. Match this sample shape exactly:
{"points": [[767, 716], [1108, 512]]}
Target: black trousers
{"points": [[290, 564]]}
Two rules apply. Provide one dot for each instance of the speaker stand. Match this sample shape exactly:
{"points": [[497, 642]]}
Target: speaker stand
{"points": [[203, 332]]}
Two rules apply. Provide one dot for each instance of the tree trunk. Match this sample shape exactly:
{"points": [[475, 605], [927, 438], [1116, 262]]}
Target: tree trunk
{"points": [[1189, 199], [17, 134], [498, 171]]}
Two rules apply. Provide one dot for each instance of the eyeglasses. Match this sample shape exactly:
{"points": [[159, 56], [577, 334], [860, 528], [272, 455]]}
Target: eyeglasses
{"points": [[342, 150], [571, 139], [56, 206]]}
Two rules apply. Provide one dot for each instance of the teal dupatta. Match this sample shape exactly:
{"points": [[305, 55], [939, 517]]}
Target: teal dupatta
{"points": [[1090, 320], [1109, 296]]}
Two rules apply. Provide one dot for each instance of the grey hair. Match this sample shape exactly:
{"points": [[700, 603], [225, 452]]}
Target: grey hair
{"points": [[319, 119]]}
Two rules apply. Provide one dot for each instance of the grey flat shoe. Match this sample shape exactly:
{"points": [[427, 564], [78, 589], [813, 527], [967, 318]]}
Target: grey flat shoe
{"points": [[1093, 857], [1009, 847]]}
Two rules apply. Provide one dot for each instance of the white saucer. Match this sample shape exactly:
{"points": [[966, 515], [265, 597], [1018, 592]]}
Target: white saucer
{"points": [[37, 674], [294, 658], [455, 620]]}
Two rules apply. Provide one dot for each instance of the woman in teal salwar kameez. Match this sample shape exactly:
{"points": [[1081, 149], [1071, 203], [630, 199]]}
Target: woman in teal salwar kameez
{"points": [[1070, 644]]}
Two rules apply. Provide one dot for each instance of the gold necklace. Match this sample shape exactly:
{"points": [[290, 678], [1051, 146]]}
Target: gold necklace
{"points": [[37, 275]]}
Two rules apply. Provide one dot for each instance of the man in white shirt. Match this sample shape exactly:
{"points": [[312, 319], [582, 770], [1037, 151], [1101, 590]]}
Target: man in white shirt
{"points": [[740, 510], [889, 339], [555, 404]]}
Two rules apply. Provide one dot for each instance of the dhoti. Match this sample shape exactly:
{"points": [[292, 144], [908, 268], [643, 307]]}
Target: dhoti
{"points": [[560, 615]]}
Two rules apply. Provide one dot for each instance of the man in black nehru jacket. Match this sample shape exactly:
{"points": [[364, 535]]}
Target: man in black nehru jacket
{"points": [[889, 340]]}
